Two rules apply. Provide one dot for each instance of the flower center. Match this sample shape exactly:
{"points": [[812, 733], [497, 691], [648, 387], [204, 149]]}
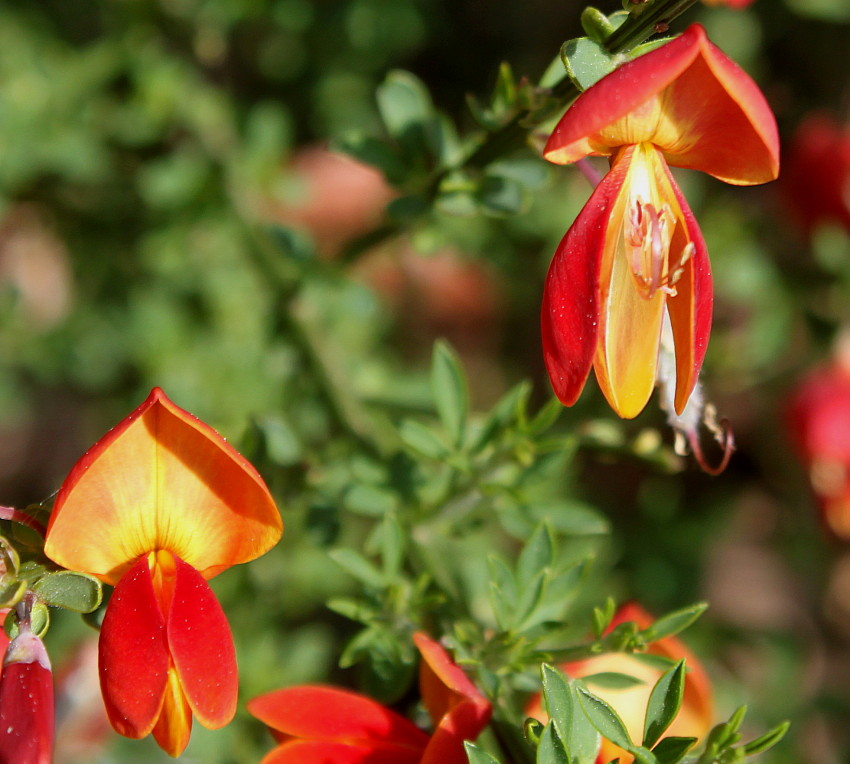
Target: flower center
{"points": [[648, 231], [647, 237]]}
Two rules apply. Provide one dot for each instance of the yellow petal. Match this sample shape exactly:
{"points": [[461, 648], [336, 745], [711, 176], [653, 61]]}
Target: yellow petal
{"points": [[161, 480]]}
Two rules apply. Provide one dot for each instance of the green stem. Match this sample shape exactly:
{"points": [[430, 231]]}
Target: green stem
{"points": [[638, 27]]}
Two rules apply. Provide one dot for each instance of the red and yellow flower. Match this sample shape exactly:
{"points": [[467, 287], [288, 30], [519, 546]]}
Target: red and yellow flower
{"points": [[696, 715], [158, 506], [315, 724], [634, 255]]}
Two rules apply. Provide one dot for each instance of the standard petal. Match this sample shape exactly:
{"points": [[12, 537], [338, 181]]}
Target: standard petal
{"points": [[689, 99], [716, 120], [201, 648], [330, 714], [622, 108], [569, 316], [133, 654], [691, 309], [161, 479], [328, 752]]}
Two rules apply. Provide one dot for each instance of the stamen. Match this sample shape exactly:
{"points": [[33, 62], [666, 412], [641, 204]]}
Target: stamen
{"points": [[647, 239]]}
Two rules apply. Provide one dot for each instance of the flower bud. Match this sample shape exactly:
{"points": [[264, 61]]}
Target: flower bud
{"points": [[26, 702]]}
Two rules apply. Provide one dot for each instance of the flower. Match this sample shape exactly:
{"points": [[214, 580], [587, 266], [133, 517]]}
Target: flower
{"points": [[816, 183], [635, 251], [26, 701], [818, 416], [158, 506], [696, 715], [316, 724]]}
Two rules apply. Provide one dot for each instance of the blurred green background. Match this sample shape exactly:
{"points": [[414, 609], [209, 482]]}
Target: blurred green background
{"points": [[170, 215]]}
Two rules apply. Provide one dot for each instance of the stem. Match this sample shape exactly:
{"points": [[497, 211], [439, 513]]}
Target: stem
{"points": [[638, 27], [16, 516]]}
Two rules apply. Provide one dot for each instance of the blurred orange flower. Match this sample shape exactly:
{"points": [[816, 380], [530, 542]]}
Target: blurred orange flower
{"points": [[696, 715]]}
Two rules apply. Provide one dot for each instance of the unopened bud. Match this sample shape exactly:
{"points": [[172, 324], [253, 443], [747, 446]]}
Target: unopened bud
{"points": [[26, 702]]}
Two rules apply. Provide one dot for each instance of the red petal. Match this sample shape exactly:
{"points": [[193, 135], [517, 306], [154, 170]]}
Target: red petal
{"points": [[571, 298], [458, 708], [202, 649], [331, 714], [133, 654], [26, 703], [323, 752]]}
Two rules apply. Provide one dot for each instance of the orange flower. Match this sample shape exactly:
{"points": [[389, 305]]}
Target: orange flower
{"points": [[155, 508], [634, 257], [696, 715], [317, 724]]}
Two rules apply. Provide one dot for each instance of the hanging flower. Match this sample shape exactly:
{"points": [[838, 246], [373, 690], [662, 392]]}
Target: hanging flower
{"points": [[315, 724], [696, 714], [158, 506], [635, 252]]}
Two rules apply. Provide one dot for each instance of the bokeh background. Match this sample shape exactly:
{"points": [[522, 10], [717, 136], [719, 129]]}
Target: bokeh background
{"points": [[171, 214]]}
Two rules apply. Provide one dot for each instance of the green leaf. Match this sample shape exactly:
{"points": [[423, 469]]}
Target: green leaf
{"points": [[605, 719], [477, 756], [602, 617], [665, 700], [537, 554], [11, 593], [392, 546], [672, 750], [451, 396], [371, 151], [404, 103], [79, 592], [551, 749], [673, 623], [768, 740], [422, 440], [503, 414], [358, 566], [557, 696], [612, 680], [500, 196], [587, 61], [369, 500]]}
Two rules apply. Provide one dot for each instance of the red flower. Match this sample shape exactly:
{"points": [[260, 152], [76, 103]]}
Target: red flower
{"points": [[318, 725], [155, 508], [26, 702], [635, 253], [696, 715], [819, 419], [816, 182]]}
